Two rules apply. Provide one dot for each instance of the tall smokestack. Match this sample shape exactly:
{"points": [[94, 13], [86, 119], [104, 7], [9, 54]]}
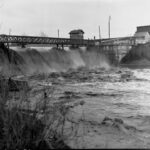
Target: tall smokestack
{"points": [[109, 26]]}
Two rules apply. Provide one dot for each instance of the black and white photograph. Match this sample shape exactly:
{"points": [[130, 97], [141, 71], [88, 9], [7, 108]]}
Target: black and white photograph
{"points": [[74, 74]]}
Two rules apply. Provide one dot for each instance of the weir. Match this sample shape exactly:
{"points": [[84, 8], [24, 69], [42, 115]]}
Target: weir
{"points": [[112, 46]]}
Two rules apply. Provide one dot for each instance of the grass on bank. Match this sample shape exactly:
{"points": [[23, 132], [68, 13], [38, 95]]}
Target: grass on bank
{"points": [[21, 129]]}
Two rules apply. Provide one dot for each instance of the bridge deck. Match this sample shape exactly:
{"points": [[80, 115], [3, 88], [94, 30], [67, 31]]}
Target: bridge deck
{"points": [[43, 40], [65, 41]]}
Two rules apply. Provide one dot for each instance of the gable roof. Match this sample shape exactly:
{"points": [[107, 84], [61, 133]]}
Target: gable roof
{"points": [[78, 31], [141, 34], [143, 29]]}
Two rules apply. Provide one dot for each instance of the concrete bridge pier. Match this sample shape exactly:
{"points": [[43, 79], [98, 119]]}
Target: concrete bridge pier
{"points": [[61, 46], [23, 45], [111, 52], [2, 45], [5, 48]]}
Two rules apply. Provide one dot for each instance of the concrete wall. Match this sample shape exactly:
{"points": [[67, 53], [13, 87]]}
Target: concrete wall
{"points": [[142, 37]]}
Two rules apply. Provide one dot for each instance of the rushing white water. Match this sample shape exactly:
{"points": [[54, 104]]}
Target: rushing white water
{"points": [[109, 94], [120, 95], [46, 60], [116, 109]]}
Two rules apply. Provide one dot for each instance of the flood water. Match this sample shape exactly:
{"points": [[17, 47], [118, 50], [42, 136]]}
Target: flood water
{"points": [[116, 109]]}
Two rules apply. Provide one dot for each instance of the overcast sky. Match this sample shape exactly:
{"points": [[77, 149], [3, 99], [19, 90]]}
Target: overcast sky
{"points": [[33, 16]]}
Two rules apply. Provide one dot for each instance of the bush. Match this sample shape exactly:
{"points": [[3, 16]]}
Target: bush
{"points": [[21, 129]]}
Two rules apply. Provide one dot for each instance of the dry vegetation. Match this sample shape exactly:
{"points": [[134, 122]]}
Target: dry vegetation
{"points": [[23, 128]]}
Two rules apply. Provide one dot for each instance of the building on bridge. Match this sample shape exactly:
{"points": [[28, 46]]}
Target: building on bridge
{"points": [[76, 34], [142, 34]]}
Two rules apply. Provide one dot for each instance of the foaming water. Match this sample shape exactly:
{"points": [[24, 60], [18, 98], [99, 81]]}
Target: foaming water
{"points": [[138, 57], [121, 108], [46, 60], [142, 73]]}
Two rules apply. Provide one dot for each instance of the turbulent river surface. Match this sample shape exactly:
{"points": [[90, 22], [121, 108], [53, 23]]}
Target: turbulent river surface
{"points": [[116, 108]]}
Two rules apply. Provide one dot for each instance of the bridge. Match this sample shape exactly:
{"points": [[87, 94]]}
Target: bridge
{"points": [[116, 48], [24, 40]]}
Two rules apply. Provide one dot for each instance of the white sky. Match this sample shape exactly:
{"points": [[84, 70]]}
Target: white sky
{"points": [[33, 16]]}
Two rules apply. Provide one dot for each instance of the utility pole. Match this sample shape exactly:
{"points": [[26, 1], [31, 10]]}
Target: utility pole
{"points": [[9, 31], [10, 56], [99, 36], [109, 26], [99, 32], [58, 33], [9, 35]]}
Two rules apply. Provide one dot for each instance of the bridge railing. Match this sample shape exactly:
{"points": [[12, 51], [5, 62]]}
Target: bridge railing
{"points": [[65, 41], [43, 40]]}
